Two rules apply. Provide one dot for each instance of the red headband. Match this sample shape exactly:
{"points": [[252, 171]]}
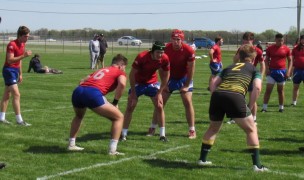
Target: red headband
{"points": [[178, 33]]}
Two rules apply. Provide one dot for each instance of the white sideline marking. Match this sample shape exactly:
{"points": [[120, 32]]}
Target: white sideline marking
{"points": [[62, 107], [289, 174], [109, 163], [30, 110]]}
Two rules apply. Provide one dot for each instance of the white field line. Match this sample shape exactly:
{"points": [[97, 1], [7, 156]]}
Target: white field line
{"points": [[30, 110], [109, 163], [60, 107], [300, 175]]}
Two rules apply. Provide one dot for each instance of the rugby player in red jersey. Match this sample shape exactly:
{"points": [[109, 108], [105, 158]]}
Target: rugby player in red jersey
{"points": [[215, 55], [144, 81], [182, 62], [276, 70], [91, 94], [298, 72], [12, 74]]}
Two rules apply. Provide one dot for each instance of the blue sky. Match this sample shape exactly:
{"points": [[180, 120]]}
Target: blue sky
{"points": [[214, 15]]}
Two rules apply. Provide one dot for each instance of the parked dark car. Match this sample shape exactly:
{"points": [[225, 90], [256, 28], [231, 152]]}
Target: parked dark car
{"points": [[203, 43]]}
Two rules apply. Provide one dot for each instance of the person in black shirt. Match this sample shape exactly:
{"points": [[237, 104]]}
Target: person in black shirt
{"points": [[103, 49], [36, 65]]}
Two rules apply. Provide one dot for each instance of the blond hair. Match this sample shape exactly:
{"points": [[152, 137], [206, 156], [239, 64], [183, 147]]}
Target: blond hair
{"points": [[247, 53]]}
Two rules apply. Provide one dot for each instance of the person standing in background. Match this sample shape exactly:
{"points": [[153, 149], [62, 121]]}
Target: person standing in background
{"points": [[12, 74], [259, 45], [192, 45], [215, 55], [94, 49], [298, 72], [276, 70], [103, 49]]}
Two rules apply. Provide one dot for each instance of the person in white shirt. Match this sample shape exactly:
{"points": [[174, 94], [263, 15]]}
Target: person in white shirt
{"points": [[192, 45], [94, 48]]}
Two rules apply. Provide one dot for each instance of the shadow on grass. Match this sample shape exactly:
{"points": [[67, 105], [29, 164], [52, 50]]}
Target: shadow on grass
{"points": [[287, 140], [292, 130], [105, 136], [92, 137], [270, 105], [54, 150], [136, 133], [46, 150], [267, 151], [184, 165], [181, 121], [280, 152]]}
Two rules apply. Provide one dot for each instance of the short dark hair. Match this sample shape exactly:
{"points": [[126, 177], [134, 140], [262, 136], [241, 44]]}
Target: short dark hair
{"points": [[119, 59], [279, 36], [217, 39], [22, 30], [248, 36]]}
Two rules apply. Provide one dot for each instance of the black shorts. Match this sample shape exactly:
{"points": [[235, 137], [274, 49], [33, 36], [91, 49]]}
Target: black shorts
{"points": [[101, 56], [40, 70], [229, 103]]}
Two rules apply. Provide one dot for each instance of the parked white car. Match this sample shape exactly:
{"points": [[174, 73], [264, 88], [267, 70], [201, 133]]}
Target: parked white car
{"points": [[129, 40], [50, 40]]}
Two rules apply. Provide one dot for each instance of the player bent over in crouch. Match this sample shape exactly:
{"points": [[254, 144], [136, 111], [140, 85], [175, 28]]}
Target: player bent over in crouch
{"points": [[228, 97], [182, 66], [144, 81], [91, 93]]}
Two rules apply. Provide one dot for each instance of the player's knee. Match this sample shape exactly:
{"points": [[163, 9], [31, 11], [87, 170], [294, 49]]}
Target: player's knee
{"points": [[159, 107], [119, 117], [79, 116], [249, 129], [16, 95], [131, 107]]}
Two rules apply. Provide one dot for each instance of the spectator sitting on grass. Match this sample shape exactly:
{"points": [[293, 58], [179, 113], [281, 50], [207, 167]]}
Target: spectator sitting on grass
{"points": [[36, 65]]}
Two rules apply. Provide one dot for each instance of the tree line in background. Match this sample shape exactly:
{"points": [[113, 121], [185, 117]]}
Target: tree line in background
{"points": [[86, 34]]}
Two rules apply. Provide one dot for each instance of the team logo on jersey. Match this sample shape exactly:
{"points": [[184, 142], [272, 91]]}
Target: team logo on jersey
{"points": [[11, 47]]}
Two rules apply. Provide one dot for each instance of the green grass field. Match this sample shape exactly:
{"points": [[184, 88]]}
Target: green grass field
{"points": [[39, 151]]}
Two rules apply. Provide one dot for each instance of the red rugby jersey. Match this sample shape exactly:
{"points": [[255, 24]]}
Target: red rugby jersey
{"points": [[146, 67], [104, 79]]}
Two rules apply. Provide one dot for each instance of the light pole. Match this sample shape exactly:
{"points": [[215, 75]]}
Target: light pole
{"points": [[299, 18]]}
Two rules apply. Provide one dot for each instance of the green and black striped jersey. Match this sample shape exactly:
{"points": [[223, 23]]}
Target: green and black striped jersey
{"points": [[238, 77]]}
